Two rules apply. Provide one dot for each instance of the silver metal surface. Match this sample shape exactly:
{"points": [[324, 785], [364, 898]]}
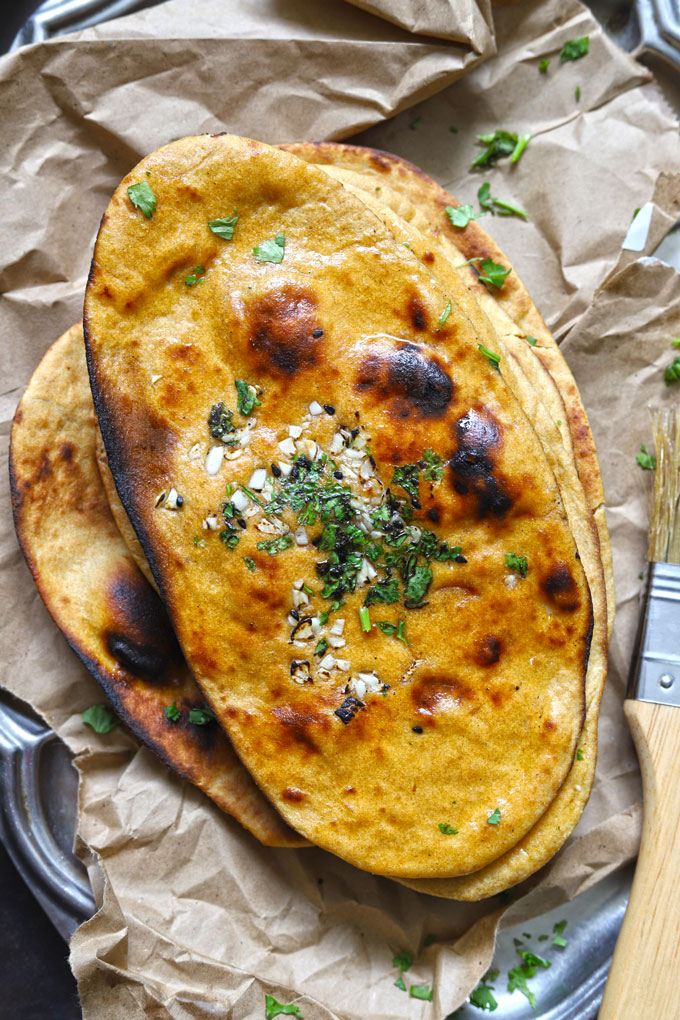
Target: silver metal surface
{"points": [[56, 17], [655, 673], [659, 22]]}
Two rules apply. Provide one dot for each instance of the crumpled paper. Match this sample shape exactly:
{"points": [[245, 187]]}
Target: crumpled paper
{"points": [[196, 919]]}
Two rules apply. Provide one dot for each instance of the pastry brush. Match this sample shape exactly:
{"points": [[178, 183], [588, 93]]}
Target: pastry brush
{"points": [[644, 979]]}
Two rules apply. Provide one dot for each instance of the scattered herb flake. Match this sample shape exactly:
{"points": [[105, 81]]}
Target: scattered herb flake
{"points": [[101, 718], [579, 752], [445, 314], [531, 340], [517, 980], [199, 542], [225, 226], [172, 713], [522, 143], [434, 470], [492, 273], [321, 647], [495, 817], [647, 461], [508, 209], [447, 830], [558, 934], [247, 400], [428, 940], [493, 359], [273, 1008], [420, 992], [482, 997], [201, 716], [385, 591], [197, 275], [672, 372], [496, 145], [453, 129], [574, 49], [577, 93], [230, 538], [365, 619], [676, 342], [276, 545], [415, 123], [271, 250], [220, 423], [142, 197], [460, 215], [484, 197], [519, 564], [402, 960], [544, 65], [399, 983], [251, 564], [416, 587]]}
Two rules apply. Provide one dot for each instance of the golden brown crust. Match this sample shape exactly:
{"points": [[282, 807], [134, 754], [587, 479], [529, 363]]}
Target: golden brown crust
{"points": [[382, 355], [110, 616]]}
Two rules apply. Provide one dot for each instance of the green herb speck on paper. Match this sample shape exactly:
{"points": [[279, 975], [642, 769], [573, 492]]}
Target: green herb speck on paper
{"points": [[271, 250], [519, 564], [453, 129], [460, 215], [420, 992], [544, 65], [428, 940], [275, 1008], [495, 817], [522, 143], [672, 372], [497, 205], [497, 144], [399, 983], [574, 49], [414, 123], [577, 93], [247, 400], [143, 198], [676, 342], [647, 461], [402, 960], [201, 716], [447, 830], [101, 718], [224, 227], [172, 713]]}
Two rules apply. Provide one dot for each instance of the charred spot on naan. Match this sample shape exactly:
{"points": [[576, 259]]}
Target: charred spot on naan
{"points": [[561, 588], [410, 381], [479, 438], [284, 333], [139, 636], [300, 726], [434, 695]]}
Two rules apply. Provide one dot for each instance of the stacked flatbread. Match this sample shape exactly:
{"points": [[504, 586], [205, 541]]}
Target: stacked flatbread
{"points": [[345, 499]]}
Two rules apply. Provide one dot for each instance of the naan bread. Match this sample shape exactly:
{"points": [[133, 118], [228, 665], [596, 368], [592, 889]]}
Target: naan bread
{"points": [[485, 706], [110, 616]]}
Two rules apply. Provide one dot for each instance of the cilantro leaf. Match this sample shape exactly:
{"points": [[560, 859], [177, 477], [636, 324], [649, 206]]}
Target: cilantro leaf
{"points": [[385, 591], [519, 564], [484, 197], [321, 647], [522, 143], [428, 940], [647, 461], [230, 538], [517, 980], [482, 997], [434, 470], [447, 830], [495, 817], [201, 716], [544, 65], [402, 960], [676, 342], [416, 587], [497, 205], [460, 215], [531, 340], [197, 276], [579, 754], [273, 1008], [251, 564], [445, 314], [101, 718], [271, 250], [225, 226], [408, 477], [246, 400], [558, 934], [496, 145], [493, 274], [574, 49], [493, 359], [420, 992], [142, 197], [672, 372], [276, 545], [172, 713], [399, 983]]}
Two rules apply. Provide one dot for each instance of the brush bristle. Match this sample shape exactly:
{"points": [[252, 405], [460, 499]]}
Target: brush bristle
{"points": [[664, 518]]}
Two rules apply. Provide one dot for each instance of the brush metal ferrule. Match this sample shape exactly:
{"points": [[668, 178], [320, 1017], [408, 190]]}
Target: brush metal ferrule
{"points": [[655, 672]]}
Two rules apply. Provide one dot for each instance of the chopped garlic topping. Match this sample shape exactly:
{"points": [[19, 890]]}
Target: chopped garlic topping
{"points": [[295, 431], [240, 501], [301, 536], [315, 407], [287, 447], [213, 460], [338, 627], [258, 479]]}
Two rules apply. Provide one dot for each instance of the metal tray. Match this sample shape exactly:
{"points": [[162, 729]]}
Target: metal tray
{"points": [[38, 784]]}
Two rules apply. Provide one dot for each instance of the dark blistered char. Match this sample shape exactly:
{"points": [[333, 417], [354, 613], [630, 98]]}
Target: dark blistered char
{"points": [[479, 437], [433, 694], [417, 313], [139, 636], [299, 726], [283, 331], [292, 795], [488, 649], [408, 379], [561, 588]]}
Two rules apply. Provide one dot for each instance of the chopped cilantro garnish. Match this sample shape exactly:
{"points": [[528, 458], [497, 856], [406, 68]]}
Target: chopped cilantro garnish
{"points": [[460, 215], [672, 372], [497, 205], [493, 359], [496, 145], [445, 314], [434, 470], [676, 342], [276, 545], [519, 564], [415, 123], [647, 461], [531, 340], [402, 960], [493, 274], [321, 647], [224, 227], [577, 93], [484, 197], [495, 817], [220, 424], [417, 586], [558, 934], [447, 830], [420, 992], [273, 1008], [199, 542], [544, 65], [251, 564], [522, 143], [428, 940], [365, 619], [247, 400], [408, 477], [385, 591], [201, 716], [142, 197], [579, 754], [574, 49], [482, 996], [393, 629], [101, 718], [197, 276], [271, 251], [399, 983], [172, 713], [230, 538], [453, 129], [517, 979]]}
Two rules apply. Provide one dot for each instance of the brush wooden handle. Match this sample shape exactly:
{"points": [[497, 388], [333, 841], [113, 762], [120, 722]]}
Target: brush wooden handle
{"points": [[644, 980]]}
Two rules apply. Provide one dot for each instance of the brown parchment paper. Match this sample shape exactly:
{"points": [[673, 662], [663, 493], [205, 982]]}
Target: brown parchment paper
{"points": [[196, 919]]}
